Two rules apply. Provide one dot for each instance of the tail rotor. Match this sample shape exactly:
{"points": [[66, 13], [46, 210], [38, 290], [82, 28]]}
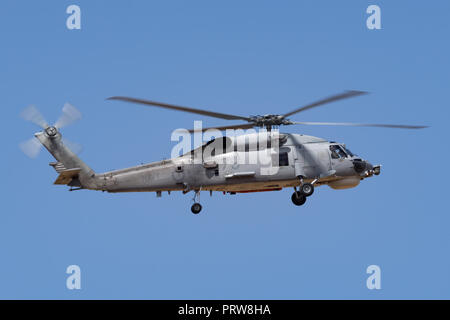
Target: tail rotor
{"points": [[69, 115]]}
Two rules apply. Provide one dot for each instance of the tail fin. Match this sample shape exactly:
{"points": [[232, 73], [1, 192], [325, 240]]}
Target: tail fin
{"points": [[73, 171]]}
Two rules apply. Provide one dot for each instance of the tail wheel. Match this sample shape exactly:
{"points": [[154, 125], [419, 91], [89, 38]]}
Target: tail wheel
{"points": [[307, 189], [196, 208], [298, 198]]}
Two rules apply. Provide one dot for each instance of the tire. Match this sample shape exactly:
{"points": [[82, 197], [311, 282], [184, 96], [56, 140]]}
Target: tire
{"points": [[298, 198], [196, 208], [307, 189]]}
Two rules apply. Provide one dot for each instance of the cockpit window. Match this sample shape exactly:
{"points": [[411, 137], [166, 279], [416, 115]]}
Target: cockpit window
{"points": [[337, 152], [349, 152]]}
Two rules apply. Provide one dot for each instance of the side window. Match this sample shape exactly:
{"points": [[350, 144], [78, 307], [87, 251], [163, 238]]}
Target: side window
{"points": [[337, 152], [283, 159], [334, 154]]}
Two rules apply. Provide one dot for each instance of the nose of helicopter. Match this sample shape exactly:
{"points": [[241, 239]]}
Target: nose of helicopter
{"points": [[361, 166]]}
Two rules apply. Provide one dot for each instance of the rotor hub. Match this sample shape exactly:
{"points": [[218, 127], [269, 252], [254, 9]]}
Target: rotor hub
{"points": [[51, 131], [269, 120]]}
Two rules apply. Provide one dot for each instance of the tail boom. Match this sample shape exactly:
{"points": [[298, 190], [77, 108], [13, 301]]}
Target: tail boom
{"points": [[71, 168]]}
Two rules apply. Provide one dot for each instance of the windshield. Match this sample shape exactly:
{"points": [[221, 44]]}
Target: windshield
{"points": [[349, 152]]}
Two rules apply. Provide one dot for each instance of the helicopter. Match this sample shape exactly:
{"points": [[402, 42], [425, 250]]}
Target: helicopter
{"points": [[283, 160]]}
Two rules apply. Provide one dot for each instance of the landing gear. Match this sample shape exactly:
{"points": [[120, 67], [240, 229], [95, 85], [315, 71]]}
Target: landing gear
{"points": [[298, 198], [196, 208], [307, 189]]}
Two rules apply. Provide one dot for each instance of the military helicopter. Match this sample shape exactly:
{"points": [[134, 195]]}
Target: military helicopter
{"points": [[284, 160]]}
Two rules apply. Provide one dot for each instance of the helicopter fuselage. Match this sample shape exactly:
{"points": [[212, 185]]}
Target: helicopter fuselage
{"points": [[238, 169]]}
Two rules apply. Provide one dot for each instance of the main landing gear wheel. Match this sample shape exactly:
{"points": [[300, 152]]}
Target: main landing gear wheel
{"points": [[298, 198], [307, 189], [196, 208]]}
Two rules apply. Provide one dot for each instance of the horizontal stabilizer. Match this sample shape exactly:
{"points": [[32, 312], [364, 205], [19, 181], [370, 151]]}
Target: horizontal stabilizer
{"points": [[66, 176], [58, 166]]}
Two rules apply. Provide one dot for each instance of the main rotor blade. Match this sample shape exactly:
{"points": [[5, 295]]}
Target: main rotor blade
{"points": [[238, 126], [31, 147], [32, 114], [69, 115], [180, 108], [350, 124], [336, 97]]}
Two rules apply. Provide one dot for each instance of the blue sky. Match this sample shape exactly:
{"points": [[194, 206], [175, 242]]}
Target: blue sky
{"points": [[251, 57]]}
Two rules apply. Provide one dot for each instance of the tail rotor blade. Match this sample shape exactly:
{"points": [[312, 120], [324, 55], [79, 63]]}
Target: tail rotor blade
{"points": [[31, 147], [32, 114], [70, 114]]}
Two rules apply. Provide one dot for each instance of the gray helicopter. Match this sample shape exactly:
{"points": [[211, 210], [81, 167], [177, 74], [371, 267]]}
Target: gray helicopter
{"points": [[222, 164]]}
